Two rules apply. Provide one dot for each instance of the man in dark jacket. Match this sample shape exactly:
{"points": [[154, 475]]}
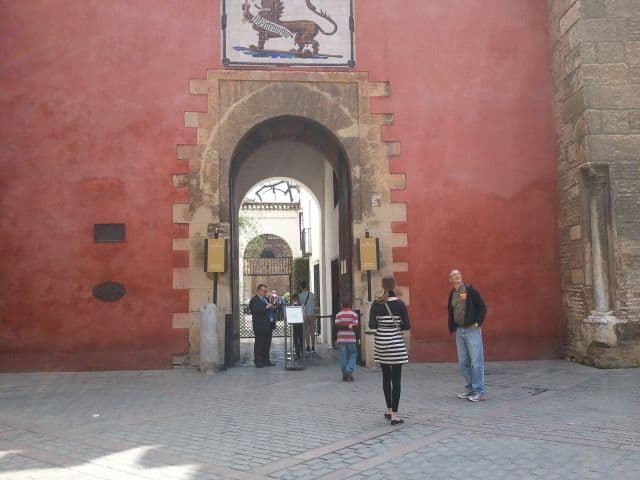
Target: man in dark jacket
{"points": [[466, 314], [262, 316]]}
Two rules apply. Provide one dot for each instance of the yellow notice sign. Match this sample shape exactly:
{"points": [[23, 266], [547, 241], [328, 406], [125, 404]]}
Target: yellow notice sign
{"points": [[214, 254], [369, 254]]}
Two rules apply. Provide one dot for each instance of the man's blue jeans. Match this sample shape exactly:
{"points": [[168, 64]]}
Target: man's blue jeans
{"points": [[471, 358], [348, 353]]}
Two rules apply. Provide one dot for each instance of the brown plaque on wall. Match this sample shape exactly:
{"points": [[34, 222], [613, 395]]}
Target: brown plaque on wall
{"points": [[109, 291], [214, 255], [368, 252], [108, 232]]}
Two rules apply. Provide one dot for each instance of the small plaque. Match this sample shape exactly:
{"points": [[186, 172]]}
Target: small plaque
{"points": [[214, 255], [109, 291], [369, 258], [108, 232]]}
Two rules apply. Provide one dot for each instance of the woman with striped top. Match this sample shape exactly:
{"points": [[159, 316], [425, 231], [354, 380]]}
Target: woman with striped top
{"points": [[389, 316]]}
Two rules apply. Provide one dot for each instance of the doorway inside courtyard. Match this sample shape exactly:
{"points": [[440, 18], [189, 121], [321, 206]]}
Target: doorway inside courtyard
{"points": [[291, 222]]}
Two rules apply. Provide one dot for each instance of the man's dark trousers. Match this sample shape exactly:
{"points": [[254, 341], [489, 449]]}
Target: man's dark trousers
{"points": [[262, 347]]}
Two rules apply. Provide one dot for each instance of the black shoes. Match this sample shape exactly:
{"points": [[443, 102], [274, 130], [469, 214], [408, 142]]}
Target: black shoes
{"points": [[270, 364], [395, 421]]}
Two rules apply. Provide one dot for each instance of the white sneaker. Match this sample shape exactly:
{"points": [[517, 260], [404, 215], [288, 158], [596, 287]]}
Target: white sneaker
{"points": [[464, 395], [476, 397]]}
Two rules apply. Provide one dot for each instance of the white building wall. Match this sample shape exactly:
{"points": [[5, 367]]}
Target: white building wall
{"points": [[283, 223], [331, 249]]}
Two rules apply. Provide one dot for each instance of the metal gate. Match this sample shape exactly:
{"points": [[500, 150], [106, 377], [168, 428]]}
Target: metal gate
{"points": [[267, 268]]}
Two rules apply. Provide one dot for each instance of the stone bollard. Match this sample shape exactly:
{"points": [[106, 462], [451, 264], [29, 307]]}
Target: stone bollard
{"points": [[368, 348], [209, 355]]}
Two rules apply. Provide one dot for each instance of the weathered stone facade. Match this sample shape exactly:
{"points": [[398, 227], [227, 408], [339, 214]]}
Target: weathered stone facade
{"points": [[596, 74]]}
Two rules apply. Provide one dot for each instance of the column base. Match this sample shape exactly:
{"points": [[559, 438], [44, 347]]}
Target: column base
{"points": [[600, 328], [608, 342]]}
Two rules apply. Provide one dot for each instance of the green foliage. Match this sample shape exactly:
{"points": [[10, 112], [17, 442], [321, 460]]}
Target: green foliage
{"points": [[299, 272], [248, 227]]}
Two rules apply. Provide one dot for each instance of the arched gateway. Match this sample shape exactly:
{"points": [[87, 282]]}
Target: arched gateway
{"points": [[265, 124]]}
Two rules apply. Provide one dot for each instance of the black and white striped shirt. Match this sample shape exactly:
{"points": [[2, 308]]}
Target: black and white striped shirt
{"points": [[389, 342]]}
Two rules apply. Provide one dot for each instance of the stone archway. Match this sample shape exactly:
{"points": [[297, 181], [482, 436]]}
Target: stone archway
{"points": [[266, 256], [238, 101], [302, 150]]}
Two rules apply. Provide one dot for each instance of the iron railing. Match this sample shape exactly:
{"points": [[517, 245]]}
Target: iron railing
{"points": [[246, 327], [267, 266]]}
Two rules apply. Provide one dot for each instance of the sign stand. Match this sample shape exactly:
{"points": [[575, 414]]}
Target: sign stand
{"points": [[294, 338]]}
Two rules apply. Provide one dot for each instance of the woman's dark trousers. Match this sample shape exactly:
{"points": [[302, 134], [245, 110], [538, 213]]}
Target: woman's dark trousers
{"points": [[391, 377]]}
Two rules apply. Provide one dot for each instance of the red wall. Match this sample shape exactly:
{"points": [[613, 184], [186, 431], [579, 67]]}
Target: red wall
{"points": [[471, 97], [93, 95]]}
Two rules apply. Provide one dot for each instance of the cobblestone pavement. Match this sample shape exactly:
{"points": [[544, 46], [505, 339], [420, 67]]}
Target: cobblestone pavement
{"points": [[547, 419]]}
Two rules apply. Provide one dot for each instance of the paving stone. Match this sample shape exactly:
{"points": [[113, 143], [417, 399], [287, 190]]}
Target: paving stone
{"points": [[542, 420]]}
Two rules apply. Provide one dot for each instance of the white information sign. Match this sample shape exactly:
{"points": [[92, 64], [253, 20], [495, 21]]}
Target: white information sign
{"points": [[294, 314]]}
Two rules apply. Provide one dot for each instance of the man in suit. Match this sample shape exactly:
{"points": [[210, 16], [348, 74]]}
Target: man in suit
{"points": [[263, 319]]}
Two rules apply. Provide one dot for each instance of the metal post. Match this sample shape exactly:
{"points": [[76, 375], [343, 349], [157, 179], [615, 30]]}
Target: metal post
{"points": [[215, 275], [366, 234]]}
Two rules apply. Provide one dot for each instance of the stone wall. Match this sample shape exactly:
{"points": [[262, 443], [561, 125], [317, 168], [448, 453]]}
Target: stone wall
{"points": [[455, 168], [596, 75]]}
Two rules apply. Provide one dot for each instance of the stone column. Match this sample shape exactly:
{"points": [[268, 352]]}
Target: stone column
{"points": [[600, 325], [597, 184]]}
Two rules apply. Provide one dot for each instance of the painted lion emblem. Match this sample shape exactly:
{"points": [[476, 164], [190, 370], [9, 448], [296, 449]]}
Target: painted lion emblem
{"points": [[267, 21]]}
